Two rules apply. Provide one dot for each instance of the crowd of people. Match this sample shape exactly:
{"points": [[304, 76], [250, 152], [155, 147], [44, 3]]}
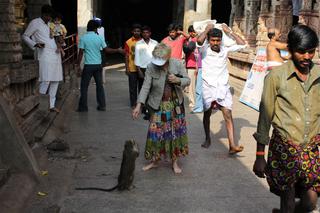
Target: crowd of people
{"points": [[160, 74]]}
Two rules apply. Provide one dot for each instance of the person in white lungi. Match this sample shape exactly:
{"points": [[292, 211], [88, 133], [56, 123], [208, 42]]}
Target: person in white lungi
{"points": [[216, 89], [37, 37]]}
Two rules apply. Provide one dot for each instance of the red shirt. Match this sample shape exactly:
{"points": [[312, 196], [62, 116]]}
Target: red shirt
{"points": [[176, 46]]}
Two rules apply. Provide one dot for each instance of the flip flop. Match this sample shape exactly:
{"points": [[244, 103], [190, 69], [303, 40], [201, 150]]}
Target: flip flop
{"points": [[236, 150]]}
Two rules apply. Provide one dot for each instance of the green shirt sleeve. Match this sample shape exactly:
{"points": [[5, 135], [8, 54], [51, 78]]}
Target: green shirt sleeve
{"points": [[266, 109]]}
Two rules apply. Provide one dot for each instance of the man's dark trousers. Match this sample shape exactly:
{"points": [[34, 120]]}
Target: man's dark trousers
{"points": [[135, 84], [88, 72]]}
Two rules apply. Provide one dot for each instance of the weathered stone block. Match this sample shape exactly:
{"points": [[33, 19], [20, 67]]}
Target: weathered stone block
{"points": [[4, 76], [29, 70], [27, 104]]}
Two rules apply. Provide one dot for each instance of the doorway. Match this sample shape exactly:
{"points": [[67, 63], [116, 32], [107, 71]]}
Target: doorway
{"points": [[118, 17], [221, 10], [68, 10]]}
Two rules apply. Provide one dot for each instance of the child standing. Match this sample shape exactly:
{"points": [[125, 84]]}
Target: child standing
{"points": [[58, 31]]}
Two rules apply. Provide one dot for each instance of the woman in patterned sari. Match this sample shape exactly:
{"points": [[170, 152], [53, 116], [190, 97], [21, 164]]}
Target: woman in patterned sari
{"points": [[162, 93]]}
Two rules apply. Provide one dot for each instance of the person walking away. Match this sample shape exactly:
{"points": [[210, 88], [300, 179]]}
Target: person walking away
{"points": [[216, 89], [162, 92], [290, 104], [37, 37], [89, 46]]}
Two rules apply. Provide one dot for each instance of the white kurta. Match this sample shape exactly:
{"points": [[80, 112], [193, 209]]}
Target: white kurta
{"points": [[50, 65], [215, 75], [143, 52]]}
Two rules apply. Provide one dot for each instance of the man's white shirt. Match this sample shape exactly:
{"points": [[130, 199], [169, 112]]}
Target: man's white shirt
{"points": [[214, 65], [143, 52]]}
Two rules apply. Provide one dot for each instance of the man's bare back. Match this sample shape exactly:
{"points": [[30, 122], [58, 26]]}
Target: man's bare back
{"points": [[274, 46]]}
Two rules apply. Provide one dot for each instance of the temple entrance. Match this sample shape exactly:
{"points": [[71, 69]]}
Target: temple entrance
{"points": [[221, 10], [68, 9], [118, 17]]}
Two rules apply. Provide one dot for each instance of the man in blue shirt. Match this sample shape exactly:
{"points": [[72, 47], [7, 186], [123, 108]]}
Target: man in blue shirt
{"points": [[90, 44]]}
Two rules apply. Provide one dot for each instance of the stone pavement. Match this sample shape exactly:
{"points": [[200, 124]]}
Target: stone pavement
{"points": [[211, 180]]}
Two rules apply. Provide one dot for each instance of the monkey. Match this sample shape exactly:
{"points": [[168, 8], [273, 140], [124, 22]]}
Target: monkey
{"points": [[125, 178]]}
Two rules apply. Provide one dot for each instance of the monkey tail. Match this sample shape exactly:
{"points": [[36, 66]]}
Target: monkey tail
{"points": [[96, 188]]}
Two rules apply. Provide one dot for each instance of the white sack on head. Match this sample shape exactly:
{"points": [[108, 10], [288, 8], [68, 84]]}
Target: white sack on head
{"points": [[200, 26]]}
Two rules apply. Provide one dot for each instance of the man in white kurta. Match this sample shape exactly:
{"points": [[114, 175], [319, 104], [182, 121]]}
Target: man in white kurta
{"points": [[216, 89], [37, 37]]}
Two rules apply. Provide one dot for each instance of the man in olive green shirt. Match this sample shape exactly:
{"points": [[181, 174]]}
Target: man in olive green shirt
{"points": [[290, 103]]}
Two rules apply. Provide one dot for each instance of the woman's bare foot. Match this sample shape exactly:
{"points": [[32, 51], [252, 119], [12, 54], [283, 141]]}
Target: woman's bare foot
{"points": [[235, 149], [176, 168], [150, 166]]}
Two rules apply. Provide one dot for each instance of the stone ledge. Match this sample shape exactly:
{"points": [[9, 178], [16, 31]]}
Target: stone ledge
{"points": [[247, 57], [27, 104], [29, 70]]}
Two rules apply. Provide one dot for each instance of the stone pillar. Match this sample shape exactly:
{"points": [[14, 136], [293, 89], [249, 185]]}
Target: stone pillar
{"points": [[10, 48], [282, 16], [309, 14], [84, 15], [196, 12], [237, 19], [252, 11], [14, 151], [204, 7], [264, 22]]}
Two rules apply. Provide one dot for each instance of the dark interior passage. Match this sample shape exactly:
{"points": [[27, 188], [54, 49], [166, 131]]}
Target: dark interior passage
{"points": [[68, 9], [119, 15], [221, 10]]}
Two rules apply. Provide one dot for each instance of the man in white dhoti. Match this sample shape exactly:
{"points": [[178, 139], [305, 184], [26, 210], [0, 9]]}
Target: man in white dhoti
{"points": [[37, 37], [216, 89]]}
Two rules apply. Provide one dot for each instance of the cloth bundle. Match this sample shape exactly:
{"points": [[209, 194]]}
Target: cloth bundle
{"points": [[200, 26]]}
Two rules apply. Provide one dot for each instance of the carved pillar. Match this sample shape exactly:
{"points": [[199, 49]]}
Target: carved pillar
{"points": [[237, 19], [282, 12], [252, 11], [196, 11], [10, 47], [264, 22], [309, 14]]}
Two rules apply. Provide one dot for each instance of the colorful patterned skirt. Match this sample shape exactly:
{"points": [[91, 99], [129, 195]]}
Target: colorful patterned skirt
{"points": [[167, 133], [291, 165]]}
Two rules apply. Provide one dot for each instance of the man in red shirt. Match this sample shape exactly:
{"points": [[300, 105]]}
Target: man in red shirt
{"points": [[175, 40]]}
